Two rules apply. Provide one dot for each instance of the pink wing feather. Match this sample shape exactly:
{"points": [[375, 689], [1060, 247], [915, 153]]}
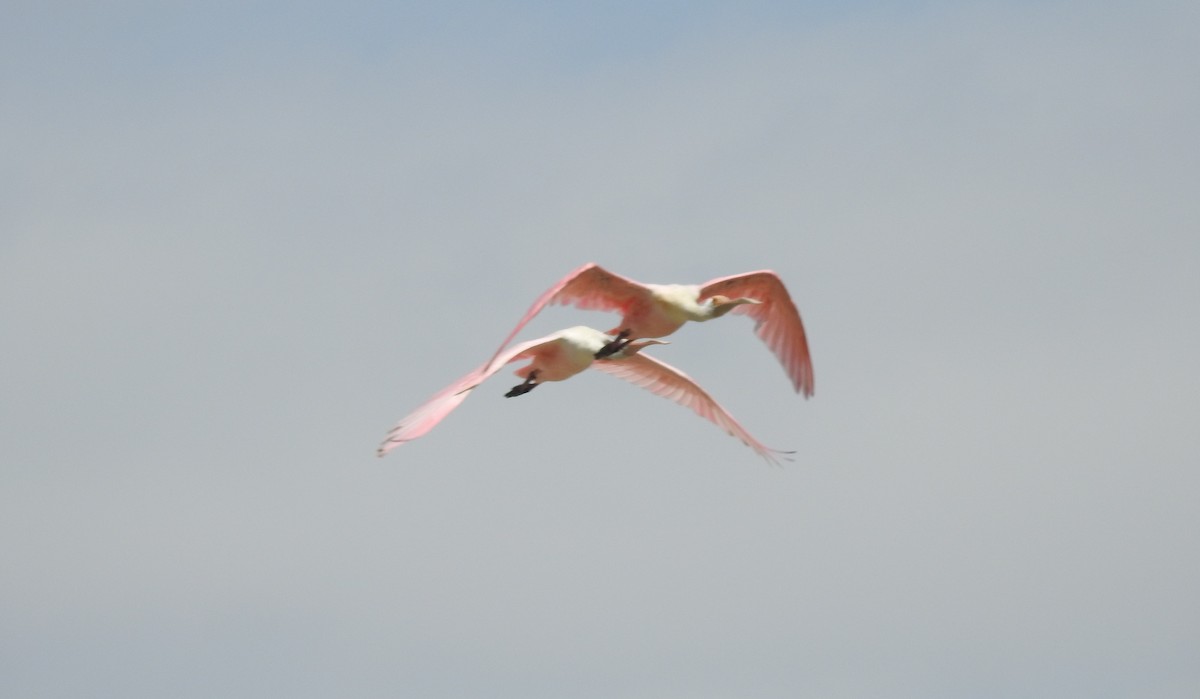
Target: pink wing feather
{"points": [[664, 380], [420, 421], [590, 287], [777, 322]]}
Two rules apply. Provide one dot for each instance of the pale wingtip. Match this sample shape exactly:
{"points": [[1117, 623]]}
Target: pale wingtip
{"points": [[777, 455], [388, 445], [804, 389]]}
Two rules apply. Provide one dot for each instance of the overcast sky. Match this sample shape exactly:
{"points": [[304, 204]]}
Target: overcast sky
{"points": [[239, 240]]}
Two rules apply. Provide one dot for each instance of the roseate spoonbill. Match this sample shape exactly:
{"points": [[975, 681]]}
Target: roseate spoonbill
{"points": [[558, 357], [657, 310]]}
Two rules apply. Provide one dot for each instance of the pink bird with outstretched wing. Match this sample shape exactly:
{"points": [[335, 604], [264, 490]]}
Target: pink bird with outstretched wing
{"points": [[558, 357], [657, 310]]}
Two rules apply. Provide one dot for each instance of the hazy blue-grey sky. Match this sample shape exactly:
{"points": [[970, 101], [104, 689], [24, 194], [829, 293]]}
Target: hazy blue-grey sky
{"points": [[239, 240]]}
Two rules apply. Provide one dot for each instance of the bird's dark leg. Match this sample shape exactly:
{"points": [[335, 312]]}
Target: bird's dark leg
{"points": [[529, 384], [615, 345]]}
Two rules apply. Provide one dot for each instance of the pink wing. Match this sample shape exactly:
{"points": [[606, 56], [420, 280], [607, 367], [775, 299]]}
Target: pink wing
{"points": [[664, 380], [590, 287], [425, 418], [777, 322]]}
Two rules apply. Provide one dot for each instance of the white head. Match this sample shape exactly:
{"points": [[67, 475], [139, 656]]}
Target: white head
{"points": [[720, 305], [637, 346]]}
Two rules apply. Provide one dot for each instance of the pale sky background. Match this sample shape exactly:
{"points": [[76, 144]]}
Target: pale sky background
{"points": [[239, 240]]}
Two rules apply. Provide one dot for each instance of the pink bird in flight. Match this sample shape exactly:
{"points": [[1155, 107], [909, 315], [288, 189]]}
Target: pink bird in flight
{"points": [[657, 310], [563, 354]]}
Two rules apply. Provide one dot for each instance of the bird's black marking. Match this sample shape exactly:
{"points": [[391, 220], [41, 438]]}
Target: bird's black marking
{"points": [[529, 384], [616, 345]]}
